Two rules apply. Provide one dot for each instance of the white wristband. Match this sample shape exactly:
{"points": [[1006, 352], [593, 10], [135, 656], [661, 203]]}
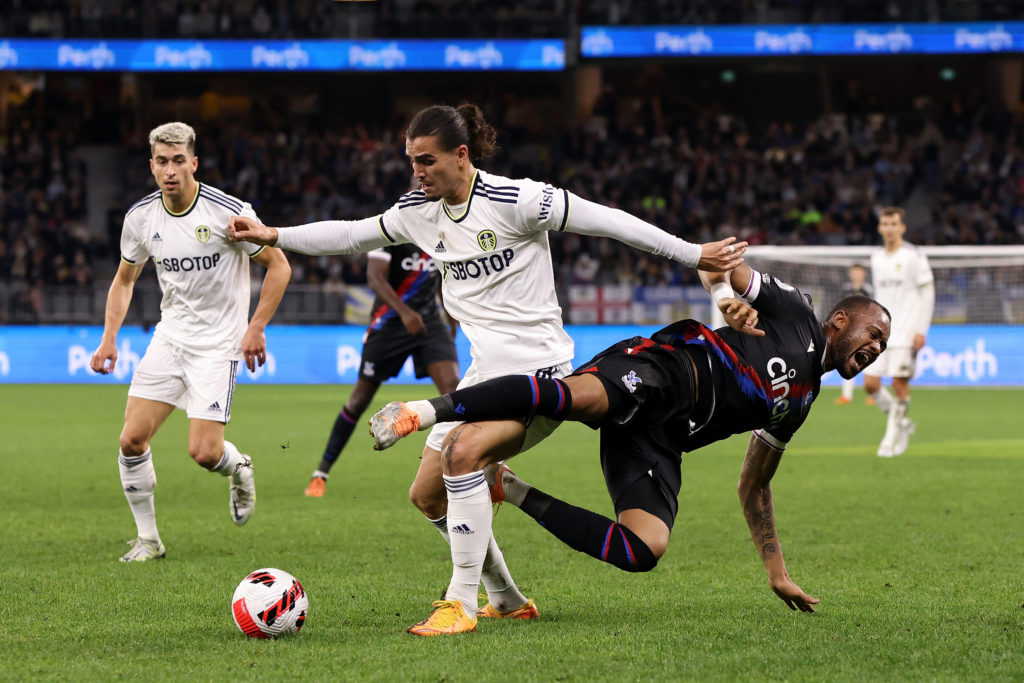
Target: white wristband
{"points": [[722, 290]]}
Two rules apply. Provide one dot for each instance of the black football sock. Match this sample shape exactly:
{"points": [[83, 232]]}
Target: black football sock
{"points": [[589, 532], [505, 398], [340, 434]]}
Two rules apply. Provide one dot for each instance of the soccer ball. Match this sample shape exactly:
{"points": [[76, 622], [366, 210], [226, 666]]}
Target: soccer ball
{"points": [[269, 603]]}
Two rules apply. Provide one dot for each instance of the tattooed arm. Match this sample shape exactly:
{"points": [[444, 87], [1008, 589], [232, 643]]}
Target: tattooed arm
{"points": [[756, 498]]}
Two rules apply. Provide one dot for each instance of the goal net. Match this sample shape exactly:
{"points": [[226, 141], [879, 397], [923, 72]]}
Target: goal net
{"points": [[972, 284], [978, 322]]}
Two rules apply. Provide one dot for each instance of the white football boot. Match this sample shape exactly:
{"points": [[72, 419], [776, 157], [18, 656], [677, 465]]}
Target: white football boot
{"points": [[143, 550], [243, 491], [906, 428]]}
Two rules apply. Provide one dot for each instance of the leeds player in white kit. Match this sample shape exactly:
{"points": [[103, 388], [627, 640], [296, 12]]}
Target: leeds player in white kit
{"points": [[203, 330], [903, 283], [489, 235]]}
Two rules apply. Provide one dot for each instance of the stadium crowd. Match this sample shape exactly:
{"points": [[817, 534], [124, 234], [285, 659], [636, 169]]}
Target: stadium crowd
{"points": [[296, 19]]}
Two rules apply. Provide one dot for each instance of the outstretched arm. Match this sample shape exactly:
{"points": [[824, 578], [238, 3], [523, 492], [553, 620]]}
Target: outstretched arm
{"points": [[323, 237], [588, 218], [755, 493]]}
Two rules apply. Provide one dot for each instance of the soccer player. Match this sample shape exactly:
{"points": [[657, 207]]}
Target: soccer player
{"points": [[490, 235], [903, 282], [858, 284], [406, 322], [652, 399], [202, 334]]}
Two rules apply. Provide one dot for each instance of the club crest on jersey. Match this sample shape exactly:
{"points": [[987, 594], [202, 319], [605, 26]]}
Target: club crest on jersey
{"points": [[631, 380], [203, 234], [487, 240]]}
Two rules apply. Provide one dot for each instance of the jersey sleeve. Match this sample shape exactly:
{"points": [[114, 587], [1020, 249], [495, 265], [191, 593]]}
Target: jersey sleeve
{"points": [[924, 270], [379, 255], [541, 206], [248, 247], [776, 298], [133, 250], [779, 435]]}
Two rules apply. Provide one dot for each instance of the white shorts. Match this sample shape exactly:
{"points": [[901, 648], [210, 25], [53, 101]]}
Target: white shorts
{"points": [[536, 431], [898, 361], [201, 386]]}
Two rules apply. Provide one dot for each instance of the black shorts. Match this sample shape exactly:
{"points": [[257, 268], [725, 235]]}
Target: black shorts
{"points": [[386, 350], [653, 398]]}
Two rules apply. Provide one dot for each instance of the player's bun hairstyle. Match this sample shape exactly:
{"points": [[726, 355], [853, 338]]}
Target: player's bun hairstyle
{"points": [[173, 133], [464, 125]]}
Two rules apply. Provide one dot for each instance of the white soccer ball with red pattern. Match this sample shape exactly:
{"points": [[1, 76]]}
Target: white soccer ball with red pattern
{"points": [[269, 603]]}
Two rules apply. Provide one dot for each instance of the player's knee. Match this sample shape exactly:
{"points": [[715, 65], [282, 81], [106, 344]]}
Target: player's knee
{"points": [[206, 455], [429, 501], [464, 450], [133, 445]]}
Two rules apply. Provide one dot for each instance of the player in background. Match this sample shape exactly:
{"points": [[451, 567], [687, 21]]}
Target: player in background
{"points": [[203, 331], [902, 280], [406, 321], [653, 399], [490, 236], [858, 284]]}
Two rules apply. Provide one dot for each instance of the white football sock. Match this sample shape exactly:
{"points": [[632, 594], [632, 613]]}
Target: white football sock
{"points": [[892, 424], [883, 399], [502, 592], [441, 524], [138, 480], [847, 389], [428, 416], [229, 461], [469, 532]]}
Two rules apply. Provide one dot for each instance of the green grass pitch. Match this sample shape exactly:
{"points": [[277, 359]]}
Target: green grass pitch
{"points": [[918, 561]]}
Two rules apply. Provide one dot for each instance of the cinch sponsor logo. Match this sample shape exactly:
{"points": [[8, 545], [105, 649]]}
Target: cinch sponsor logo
{"points": [[693, 43], [388, 57], [187, 264], [896, 40], [195, 57], [484, 57], [974, 363], [127, 360], [779, 374], [97, 57], [792, 42], [8, 55], [483, 266], [597, 44], [552, 55], [994, 40], [289, 58], [418, 264]]}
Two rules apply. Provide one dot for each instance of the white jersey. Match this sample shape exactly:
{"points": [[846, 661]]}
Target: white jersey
{"points": [[898, 279], [498, 280], [204, 276]]}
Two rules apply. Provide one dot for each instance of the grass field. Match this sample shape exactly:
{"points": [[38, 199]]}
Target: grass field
{"points": [[918, 561]]}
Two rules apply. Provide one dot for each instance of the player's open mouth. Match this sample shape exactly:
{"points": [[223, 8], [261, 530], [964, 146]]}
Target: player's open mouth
{"points": [[863, 359]]}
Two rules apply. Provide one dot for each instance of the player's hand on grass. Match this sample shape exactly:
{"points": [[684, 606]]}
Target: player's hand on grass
{"points": [[740, 316], [791, 594], [721, 256], [245, 229], [254, 348], [104, 358]]}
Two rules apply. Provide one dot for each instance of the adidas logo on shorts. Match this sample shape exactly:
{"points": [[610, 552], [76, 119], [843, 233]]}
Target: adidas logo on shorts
{"points": [[215, 406], [461, 529]]}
